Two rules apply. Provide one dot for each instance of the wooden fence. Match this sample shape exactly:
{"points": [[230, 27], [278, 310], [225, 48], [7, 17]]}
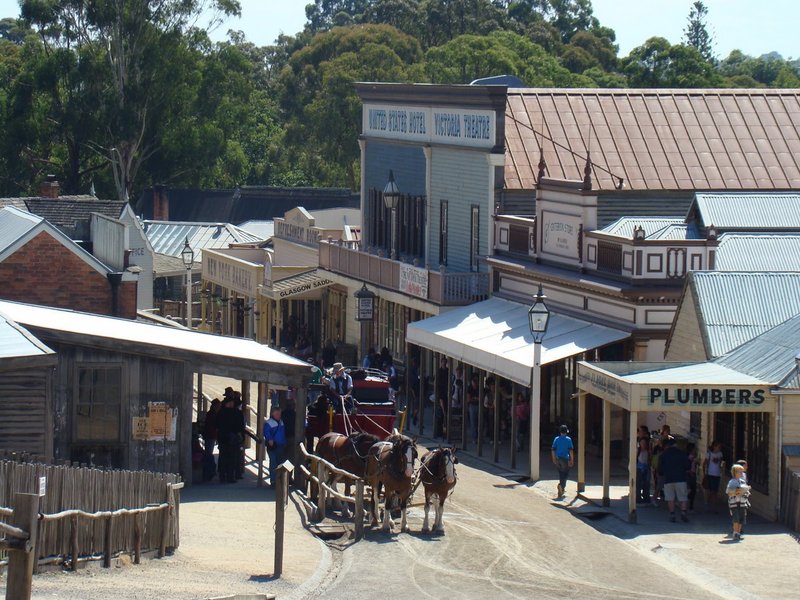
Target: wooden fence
{"points": [[790, 504], [317, 477], [90, 513]]}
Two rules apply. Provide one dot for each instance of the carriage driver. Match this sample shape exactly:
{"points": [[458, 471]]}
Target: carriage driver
{"points": [[342, 385]]}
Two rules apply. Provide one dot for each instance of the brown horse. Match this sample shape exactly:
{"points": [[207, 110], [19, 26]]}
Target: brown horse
{"points": [[437, 472], [348, 453], [390, 464]]}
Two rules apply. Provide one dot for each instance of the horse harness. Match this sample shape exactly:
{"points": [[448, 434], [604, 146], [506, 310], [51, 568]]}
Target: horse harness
{"points": [[438, 454]]}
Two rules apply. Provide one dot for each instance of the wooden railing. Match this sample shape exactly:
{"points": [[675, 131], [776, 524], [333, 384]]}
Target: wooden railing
{"points": [[444, 288], [317, 477]]}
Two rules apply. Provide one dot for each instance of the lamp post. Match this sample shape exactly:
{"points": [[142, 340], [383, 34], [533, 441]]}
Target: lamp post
{"points": [[391, 197], [538, 318], [187, 255]]}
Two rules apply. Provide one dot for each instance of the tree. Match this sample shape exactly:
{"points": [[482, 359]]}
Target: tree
{"points": [[132, 37], [696, 33], [658, 64], [320, 104], [502, 52]]}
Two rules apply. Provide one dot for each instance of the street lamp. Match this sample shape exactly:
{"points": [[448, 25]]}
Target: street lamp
{"points": [[538, 319], [391, 197], [187, 255]]}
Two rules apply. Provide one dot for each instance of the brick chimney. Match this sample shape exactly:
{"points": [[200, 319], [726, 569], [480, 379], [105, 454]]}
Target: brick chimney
{"points": [[160, 203], [50, 188]]}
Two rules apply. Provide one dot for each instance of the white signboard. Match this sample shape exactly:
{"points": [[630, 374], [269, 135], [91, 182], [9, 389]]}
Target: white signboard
{"points": [[560, 234], [414, 281], [230, 273], [42, 485], [458, 126]]}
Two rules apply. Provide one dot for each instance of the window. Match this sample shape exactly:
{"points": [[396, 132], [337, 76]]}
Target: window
{"points": [[757, 450], [443, 233], [474, 238], [98, 403], [609, 257]]}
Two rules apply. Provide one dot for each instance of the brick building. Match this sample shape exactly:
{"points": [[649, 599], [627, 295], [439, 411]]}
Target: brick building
{"points": [[39, 264]]}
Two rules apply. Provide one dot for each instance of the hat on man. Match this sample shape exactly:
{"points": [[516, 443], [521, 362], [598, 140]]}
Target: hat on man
{"points": [[563, 429], [337, 367]]}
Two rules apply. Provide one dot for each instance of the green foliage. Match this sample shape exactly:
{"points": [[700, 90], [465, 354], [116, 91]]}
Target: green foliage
{"points": [[322, 109], [696, 33], [658, 64]]}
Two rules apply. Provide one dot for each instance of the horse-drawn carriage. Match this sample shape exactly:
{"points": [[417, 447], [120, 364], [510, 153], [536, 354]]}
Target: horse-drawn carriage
{"points": [[371, 408]]}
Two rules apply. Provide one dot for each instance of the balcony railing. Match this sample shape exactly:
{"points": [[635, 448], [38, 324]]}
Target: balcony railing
{"points": [[444, 289]]}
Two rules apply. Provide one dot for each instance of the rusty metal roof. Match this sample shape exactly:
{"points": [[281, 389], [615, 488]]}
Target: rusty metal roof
{"points": [[656, 139]]}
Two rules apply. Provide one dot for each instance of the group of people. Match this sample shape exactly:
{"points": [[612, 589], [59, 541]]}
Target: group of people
{"points": [[454, 393], [224, 428], [674, 472]]}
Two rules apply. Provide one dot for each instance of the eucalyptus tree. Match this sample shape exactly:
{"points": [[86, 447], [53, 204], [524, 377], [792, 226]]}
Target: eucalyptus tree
{"points": [[140, 54]]}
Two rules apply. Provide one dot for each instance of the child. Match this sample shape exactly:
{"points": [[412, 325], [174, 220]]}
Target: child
{"points": [[738, 500]]}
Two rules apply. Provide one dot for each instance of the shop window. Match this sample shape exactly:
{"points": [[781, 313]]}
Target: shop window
{"points": [[98, 403], [474, 238], [757, 451], [443, 233]]}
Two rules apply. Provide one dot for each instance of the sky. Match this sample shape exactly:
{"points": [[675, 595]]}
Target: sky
{"points": [[753, 26]]}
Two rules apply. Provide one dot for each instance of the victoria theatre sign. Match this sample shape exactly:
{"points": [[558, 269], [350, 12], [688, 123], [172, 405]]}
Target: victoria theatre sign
{"points": [[449, 125]]}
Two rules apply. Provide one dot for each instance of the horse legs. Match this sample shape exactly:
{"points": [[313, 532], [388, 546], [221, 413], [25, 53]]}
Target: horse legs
{"points": [[374, 503], [403, 524], [388, 524], [345, 506], [425, 528], [439, 524]]}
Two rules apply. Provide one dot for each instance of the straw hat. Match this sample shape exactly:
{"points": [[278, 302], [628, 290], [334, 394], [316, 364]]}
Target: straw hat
{"points": [[337, 367]]}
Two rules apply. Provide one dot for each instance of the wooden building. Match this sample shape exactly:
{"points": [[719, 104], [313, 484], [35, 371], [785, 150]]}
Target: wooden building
{"points": [[122, 393]]}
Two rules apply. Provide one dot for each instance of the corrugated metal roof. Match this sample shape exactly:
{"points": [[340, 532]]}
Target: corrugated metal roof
{"points": [[735, 307], [773, 212], [16, 342], [264, 230], [699, 373], [770, 356], [624, 227], [656, 139], [169, 238], [758, 252], [15, 223], [169, 339], [686, 231]]}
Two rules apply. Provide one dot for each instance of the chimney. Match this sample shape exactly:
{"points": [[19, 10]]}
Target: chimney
{"points": [[160, 203], [50, 188]]}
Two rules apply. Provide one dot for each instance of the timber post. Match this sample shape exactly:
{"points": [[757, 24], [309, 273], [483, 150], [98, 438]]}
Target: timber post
{"points": [[358, 516], [281, 500], [21, 559]]}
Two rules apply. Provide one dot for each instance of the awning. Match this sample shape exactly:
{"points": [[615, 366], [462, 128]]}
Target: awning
{"points": [[699, 387], [305, 284], [494, 335]]}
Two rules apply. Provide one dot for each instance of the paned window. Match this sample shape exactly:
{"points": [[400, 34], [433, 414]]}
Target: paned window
{"points": [[98, 404]]}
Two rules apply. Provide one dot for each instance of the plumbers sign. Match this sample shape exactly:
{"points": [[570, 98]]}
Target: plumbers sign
{"points": [[717, 398], [474, 128]]}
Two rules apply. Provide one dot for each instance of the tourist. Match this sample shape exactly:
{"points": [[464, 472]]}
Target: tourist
{"points": [[738, 500], [563, 455], [672, 466], [275, 441]]}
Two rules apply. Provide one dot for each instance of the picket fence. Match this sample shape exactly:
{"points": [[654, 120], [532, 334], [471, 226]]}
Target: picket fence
{"points": [[146, 506]]}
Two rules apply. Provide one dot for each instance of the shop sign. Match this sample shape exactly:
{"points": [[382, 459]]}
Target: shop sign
{"points": [[304, 287], [230, 274], [608, 388], [560, 234], [365, 309], [741, 398], [449, 125], [414, 281]]}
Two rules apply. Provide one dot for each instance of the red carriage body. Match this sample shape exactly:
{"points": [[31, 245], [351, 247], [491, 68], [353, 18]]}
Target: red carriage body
{"points": [[375, 412]]}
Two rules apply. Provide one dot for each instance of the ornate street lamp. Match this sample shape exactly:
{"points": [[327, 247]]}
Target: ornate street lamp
{"points": [[538, 319], [391, 198], [187, 255]]}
